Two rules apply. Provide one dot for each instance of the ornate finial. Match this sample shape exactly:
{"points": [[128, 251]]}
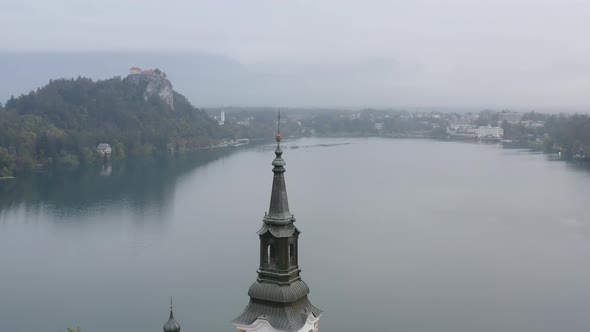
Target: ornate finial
{"points": [[278, 162], [171, 325]]}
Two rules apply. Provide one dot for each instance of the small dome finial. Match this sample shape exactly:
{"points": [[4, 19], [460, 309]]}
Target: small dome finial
{"points": [[171, 325]]}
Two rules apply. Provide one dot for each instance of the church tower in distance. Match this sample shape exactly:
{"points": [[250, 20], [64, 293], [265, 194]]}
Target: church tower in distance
{"points": [[278, 297]]}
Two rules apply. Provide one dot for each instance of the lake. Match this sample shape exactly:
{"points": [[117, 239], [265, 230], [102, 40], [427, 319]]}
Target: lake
{"points": [[397, 235]]}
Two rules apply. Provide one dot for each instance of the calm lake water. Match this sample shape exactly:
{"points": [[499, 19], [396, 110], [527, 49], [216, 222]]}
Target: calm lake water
{"points": [[404, 235]]}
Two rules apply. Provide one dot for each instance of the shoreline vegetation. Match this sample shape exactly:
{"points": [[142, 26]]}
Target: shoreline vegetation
{"points": [[60, 125]]}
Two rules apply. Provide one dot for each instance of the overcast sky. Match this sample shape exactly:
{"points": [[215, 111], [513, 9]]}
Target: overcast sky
{"points": [[486, 53]]}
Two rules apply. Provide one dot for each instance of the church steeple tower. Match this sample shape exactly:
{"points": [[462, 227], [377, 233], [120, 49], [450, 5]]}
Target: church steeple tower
{"points": [[278, 298]]}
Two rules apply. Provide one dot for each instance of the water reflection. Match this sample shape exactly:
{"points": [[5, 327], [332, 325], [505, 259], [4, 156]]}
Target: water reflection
{"points": [[139, 184], [107, 169], [453, 236]]}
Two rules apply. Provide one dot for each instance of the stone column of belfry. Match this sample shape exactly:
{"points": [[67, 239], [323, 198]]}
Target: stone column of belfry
{"points": [[278, 297]]}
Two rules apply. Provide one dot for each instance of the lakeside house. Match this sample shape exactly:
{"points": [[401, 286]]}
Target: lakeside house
{"points": [[104, 149]]}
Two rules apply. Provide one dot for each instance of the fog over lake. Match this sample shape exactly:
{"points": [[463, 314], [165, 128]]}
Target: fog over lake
{"points": [[397, 235]]}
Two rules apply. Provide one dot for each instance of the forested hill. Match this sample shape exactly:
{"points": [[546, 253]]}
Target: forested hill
{"points": [[61, 123]]}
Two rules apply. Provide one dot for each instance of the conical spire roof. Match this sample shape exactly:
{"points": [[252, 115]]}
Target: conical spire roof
{"points": [[278, 296], [278, 212], [171, 325]]}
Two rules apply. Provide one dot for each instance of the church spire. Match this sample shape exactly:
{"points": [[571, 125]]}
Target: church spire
{"points": [[279, 213], [278, 297]]}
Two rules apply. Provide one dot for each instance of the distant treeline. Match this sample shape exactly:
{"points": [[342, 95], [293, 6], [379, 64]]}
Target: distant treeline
{"points": [[372, 122], [568, 133], [61, 124]]}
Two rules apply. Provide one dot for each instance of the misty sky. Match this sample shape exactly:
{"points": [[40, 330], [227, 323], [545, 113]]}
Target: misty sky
{"points": [[500, 54]]}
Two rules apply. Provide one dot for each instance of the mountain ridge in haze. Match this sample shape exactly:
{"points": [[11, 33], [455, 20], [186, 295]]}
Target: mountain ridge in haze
{"points": [[210, 80]]}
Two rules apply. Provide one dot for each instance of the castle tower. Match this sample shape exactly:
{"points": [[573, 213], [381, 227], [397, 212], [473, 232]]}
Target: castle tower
{"points": [[278, 297]]}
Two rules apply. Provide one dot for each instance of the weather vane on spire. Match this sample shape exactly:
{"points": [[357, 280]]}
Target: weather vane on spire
{"points": [[279, 137]]}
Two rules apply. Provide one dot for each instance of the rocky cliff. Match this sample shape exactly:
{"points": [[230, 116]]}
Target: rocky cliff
{"points": [[153, 83]]}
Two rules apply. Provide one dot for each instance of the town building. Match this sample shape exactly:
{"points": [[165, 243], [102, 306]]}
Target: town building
{"points": [[490, 132], [462, 131], [279, 297]]}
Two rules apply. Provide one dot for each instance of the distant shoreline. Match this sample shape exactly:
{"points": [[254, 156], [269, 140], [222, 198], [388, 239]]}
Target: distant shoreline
{"points": [[255, 142]]}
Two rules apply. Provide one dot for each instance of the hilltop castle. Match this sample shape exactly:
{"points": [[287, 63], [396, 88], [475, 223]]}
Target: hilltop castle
{"points": [[138, 71]]}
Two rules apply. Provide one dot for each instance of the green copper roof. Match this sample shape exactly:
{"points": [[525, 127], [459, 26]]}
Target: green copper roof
{"points": [[278, 212], [279, 296], [279, 231], [288, 317]]}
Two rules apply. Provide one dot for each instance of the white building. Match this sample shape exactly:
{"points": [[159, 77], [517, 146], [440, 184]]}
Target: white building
{"points": [[104, 149], [489, 131]]}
